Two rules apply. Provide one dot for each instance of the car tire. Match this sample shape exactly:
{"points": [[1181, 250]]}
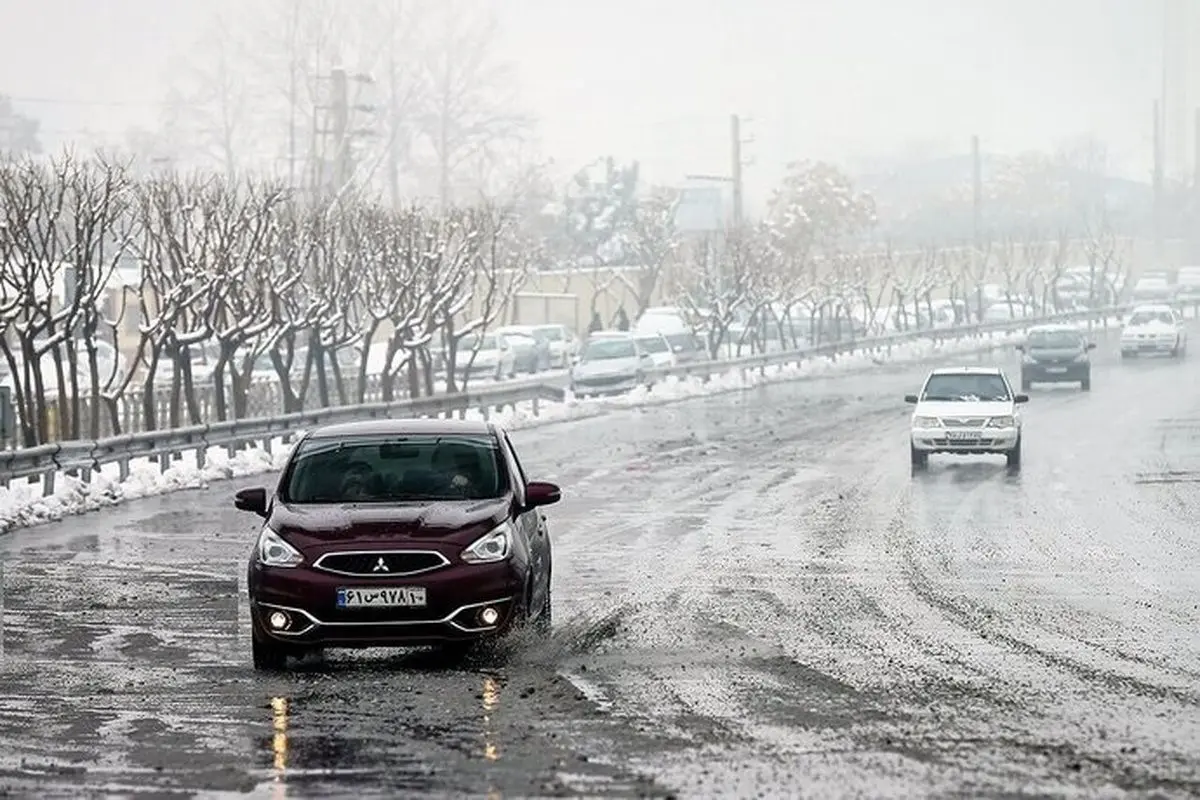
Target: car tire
{"points": [[1126, 355], [920, 460], [268, 656], [1086, 383], [1013, 457]]}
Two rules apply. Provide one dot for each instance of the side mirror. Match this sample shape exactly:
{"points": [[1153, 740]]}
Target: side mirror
{"points": [[253, 500], [1091, 346], [540, 493], [910, 398], [1021, 398]]}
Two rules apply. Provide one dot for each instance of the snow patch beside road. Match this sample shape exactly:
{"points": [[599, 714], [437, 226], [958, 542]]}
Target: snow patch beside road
{"points": [[23, 504]]}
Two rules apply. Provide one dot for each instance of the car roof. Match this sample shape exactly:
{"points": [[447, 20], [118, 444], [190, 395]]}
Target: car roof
{"points": [[967, 371], [400, 426]]}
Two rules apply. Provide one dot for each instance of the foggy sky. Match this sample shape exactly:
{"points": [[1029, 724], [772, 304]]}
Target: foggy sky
{"points": [[656, 79]]}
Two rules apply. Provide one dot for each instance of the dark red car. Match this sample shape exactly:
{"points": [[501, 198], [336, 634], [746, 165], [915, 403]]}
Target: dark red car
{"points": [[405, 532]]}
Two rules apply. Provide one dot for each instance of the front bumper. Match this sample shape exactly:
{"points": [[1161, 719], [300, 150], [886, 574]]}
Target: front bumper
{"points": [[1147, 346], [604, 386], [455, 596], [981, 440], [1051, 372]]}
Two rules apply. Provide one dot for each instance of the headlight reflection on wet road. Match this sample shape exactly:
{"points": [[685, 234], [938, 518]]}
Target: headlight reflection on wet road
{"points": [[279, 744]]}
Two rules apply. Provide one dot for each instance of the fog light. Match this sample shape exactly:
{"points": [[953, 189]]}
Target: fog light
{"points": [[489, 616], [278, 620]]}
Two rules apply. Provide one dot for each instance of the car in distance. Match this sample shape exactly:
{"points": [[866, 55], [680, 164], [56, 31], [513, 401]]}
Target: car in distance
{"points": [[612, 362], [531, 348], [398, 533], [564, 344], [1154, 329], [1056, 354], [488, 355], [966, 411]]}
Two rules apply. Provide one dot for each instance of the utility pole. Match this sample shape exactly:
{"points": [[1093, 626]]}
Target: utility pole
{"points": [[338, 111], [976, 193], [735, 135], [1158, 183]]}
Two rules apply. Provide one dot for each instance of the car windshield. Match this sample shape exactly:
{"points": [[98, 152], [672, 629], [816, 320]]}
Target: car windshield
{"points": [[394, 469], [684, 340], [966, 387], [1147, 317], [469, 343], [1054, 339], [552, 334], [653, 344], [601, 349]]}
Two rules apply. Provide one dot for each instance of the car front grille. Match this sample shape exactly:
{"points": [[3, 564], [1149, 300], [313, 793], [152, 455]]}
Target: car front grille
{"points": [[381, 563], [964, 422], [609, 380]]}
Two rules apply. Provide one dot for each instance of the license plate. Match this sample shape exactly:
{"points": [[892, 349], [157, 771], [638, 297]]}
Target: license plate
{"points": [[962, 436], [384, 597], [1056, 370]]}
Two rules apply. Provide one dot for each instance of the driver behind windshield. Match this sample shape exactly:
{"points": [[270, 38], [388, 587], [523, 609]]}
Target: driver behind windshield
{"points": [[947, 388]]}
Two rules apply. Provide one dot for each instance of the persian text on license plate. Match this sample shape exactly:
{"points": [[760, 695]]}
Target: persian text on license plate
{"points": [[383, 597], [962, 436]]}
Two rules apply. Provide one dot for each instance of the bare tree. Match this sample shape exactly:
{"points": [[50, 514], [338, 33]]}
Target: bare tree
{"points": [[468, 94], [654, 242]]}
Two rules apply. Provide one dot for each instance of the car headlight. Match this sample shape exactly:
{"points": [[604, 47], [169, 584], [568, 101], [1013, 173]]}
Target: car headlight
{"points": [[493, 546], [1002, 422], [926, 422], [273, 551]]}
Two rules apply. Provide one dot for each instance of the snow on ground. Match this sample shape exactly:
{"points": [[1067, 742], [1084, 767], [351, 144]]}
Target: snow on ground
{"points": [[23, 504]]}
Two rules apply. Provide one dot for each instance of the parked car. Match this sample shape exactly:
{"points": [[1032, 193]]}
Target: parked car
{"points": [[398, 532], [611, 363], [1153, 288], [564, 344], [487, 354], [531, 349], [1188, 285], [659, 349]]}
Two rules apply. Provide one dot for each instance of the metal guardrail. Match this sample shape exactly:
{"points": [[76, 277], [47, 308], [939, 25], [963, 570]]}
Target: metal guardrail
{"points": [[82, 458]]}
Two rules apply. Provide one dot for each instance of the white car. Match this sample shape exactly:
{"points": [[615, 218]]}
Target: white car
{"points": [[1155, 329], [611, 363], [493, 356], [659, 349], [968, 411], [564, 344]]}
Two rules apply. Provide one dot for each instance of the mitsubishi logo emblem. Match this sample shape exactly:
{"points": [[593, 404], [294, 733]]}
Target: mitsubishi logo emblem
{"points": [[380, 566]]}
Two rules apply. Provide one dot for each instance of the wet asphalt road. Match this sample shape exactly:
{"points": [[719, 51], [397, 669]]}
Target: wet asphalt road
{"points": [[754, 596]]}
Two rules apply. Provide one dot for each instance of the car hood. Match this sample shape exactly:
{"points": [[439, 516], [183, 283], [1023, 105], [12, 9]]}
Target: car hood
{"points": [[606, 366], [967, 408], [458, 521]]}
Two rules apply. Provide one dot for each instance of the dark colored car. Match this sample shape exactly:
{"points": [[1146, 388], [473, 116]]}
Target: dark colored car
{"points": [[1056, 354], [398, 533]]}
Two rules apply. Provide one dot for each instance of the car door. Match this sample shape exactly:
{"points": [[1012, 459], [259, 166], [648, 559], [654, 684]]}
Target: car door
{"points": [[531, 526]]}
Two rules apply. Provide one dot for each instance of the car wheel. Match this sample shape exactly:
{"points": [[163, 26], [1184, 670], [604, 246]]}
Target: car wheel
{"points": [[1014, 456], [268, 656], [1125, 355], [920, 460], [1086, 383]]}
